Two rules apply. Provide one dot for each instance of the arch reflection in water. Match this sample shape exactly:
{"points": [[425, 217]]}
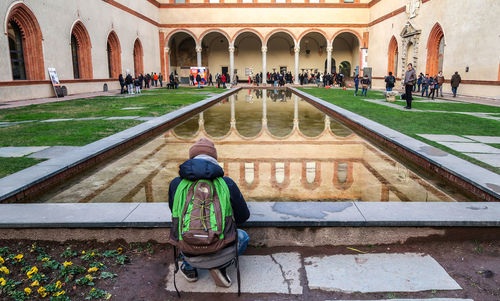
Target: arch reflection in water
{"points": [[301, 159]]}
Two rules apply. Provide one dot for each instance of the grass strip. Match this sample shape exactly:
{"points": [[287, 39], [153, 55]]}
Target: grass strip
{"points": [[11, 165], [70, 133]]}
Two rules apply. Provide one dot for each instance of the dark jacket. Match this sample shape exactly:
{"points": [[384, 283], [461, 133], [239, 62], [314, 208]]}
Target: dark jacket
{"points": [[128, 79], [410, 76], [195, 169], [455, 80], [389, 81]]}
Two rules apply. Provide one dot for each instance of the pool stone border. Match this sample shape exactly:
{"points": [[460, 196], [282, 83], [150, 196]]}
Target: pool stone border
{"points": [[478, 181], [272, 224]]}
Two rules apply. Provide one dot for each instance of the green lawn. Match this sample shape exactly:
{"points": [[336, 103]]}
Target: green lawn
{"points": [[11, 165], [155, 102], [412, 123]]}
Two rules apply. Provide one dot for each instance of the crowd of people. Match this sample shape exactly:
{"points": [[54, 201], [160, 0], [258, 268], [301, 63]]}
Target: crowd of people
{"points": [[133, 85]]}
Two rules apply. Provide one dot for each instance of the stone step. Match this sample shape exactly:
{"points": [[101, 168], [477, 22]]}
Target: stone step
{"points": [[280, 273], [371, 273], [277, 273]]}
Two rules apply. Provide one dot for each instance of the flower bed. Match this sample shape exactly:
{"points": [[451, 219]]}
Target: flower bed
{"points": [[60, 272]]}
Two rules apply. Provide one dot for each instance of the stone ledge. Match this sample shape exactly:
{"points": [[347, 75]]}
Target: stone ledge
{"points": [[263, 214]]}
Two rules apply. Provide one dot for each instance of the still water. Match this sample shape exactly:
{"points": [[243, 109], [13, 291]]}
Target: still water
{"points": [[273, 144]]}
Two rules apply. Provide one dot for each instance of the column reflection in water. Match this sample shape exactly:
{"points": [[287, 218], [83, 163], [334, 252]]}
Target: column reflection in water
{"points": [[318, 160]]}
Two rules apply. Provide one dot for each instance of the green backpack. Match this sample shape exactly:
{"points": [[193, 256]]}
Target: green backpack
{"points": [[202, 217]]}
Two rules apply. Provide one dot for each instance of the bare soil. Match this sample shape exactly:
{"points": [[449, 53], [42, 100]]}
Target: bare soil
{"points": [[474, 265]]}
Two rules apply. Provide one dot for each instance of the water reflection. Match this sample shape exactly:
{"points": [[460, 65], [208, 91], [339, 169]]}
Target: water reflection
{"points": [[276, 147]]}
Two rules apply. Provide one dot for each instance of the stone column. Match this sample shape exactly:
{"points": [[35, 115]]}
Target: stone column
{"points": [[166, 52], [329, 59], [264, 65], [295, 111], [233, 113], [231, 64], [264, 108], [198, 56], [297, 51]]}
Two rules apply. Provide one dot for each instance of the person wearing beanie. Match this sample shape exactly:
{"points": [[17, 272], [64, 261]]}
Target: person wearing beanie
{"points": [[202, 164]]}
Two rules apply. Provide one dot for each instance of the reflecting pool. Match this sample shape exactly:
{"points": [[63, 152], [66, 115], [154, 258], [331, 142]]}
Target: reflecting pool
{"points": [[276, 146]]}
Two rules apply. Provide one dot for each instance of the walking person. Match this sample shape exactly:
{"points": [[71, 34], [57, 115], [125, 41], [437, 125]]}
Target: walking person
{"points": [[137, 85], [425, 85], [440, 81], [455, 82], [129, 83], [155, 77], [210, 81], [389, 82], [223, 80], [160, 78], [147, 79], [199, 175], [122, 83], [365, 83], [410, 78], [419, 81], [432, 87], [356, 85], [198, 80]]}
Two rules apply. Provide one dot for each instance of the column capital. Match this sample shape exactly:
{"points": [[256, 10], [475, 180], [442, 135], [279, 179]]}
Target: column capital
{"points": [[264, 49], [231, 48], [329, 49], [166, 49], [198, 49], [296, 49]]}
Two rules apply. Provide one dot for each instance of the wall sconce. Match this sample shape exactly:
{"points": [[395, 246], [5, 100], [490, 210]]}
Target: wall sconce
{"points": [[467, 69]]}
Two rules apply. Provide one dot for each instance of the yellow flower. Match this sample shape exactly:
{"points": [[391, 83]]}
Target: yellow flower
{"points": [[1, 260], [3, 282], [5, 270], [27, 291], [58, 284], [67, 263], [35, 283], [92, 254], [59, 293], [94, 269], [119, 250], [33, 270], [19, 257], [42, 292], [89, 277], [83, 252], [45, 259]]}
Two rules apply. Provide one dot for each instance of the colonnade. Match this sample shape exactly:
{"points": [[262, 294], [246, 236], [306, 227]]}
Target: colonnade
{"points": [[232, 48]]}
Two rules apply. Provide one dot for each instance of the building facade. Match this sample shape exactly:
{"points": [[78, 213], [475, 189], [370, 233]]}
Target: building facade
{"points": [[91, 42]]}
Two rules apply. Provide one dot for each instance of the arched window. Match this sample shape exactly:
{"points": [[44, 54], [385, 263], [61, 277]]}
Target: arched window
{"points": [[138, 55], [392, 57], [81, 52], [114, 55], [435, 50], [25, 44], [74, 56], [16, 51]]}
